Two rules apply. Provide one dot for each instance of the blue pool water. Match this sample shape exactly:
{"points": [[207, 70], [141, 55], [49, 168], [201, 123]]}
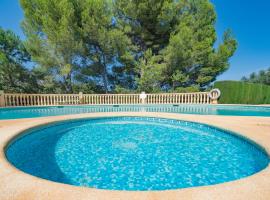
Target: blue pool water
{"points": [[135, 153], [31, 112]]}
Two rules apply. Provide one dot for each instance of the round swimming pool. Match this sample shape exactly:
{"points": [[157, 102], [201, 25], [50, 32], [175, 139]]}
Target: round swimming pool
{"points": [[135, 153]]}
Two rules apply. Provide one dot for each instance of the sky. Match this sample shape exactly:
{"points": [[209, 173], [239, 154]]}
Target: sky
{"points": [[249, 21]]}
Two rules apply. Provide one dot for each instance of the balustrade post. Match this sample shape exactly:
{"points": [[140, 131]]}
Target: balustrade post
{"points": [[214, 95], [214, 101], [81, 101], [2, 99], [143, 97]]}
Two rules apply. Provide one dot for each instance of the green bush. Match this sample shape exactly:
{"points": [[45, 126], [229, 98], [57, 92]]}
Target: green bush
{"points": [[237, 92]]}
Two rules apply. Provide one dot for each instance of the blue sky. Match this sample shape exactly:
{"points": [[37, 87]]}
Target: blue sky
{"points": [[249, 20]]}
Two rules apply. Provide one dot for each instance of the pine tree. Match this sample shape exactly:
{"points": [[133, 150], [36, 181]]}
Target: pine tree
{"points": [[182, 34], [103, 45], [106, 46], [52, 28], [262, 77], [14, 76]]}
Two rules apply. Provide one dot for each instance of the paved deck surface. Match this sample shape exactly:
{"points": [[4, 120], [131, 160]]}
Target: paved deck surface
{"points": [[16, 185]]}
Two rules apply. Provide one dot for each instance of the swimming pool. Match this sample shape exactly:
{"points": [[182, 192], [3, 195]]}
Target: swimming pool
{"points": [[135, 153], [32, 112]]}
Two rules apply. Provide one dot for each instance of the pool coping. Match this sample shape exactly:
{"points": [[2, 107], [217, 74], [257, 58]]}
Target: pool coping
{"points": [[15, 184]]}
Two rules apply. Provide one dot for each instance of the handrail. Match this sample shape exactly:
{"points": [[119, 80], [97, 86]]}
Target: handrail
{"points": [[11, 100]]}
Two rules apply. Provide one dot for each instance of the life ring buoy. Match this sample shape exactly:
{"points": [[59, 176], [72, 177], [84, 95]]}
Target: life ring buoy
{"points": [[214, 94]]}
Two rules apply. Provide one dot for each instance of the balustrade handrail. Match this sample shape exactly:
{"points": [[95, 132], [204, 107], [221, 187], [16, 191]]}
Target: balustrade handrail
{"points": [[11, 100]]}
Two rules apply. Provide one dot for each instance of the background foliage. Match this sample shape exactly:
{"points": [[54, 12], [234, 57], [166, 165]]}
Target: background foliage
{"points": [[106, 46], [262, 77], [14, 76], [236, 92]]}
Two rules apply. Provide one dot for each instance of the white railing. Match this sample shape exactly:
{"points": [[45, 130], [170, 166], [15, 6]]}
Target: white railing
{"points": [[40, 99], [11, 100], [111, 99], [179, 98]]}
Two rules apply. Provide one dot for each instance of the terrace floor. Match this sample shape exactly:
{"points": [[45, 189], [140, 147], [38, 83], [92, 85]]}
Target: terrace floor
{"points": [[17, 185]]}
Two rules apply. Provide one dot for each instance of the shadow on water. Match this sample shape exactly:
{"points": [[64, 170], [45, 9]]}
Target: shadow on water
{"points": [[35, 155]]}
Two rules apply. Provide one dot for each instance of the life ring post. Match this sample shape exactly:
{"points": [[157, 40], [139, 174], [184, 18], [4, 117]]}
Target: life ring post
{"points": [[214, 95]]}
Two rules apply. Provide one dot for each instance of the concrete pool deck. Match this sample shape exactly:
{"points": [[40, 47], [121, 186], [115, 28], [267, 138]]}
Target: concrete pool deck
{"points": [[17, 185]]}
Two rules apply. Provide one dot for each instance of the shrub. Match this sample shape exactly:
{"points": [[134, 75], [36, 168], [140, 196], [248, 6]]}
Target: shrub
{"points": [[237, 92]]}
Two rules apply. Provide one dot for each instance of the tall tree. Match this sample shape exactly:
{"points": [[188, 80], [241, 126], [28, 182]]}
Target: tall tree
{"points": [[147, 45], [52, 28], [106, 46], [149, 24], [182, 33], [14, 76], [190, 56], [77, 41], [262, 77], [150, 80]]}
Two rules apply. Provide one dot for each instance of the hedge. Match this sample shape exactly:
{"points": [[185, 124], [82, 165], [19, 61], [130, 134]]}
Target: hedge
{"points": [[236, 92]]}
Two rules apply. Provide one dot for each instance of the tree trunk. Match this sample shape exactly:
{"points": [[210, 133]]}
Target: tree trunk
{"points": [[68, 83], [104, 73], [105, 78], [173, 85], [12, 84]]}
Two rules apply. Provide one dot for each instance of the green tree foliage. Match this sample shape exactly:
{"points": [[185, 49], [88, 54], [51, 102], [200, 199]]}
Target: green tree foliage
{"points": [[148, 23], [106, 46], [150, 80], [14, 77], [183, 34], [262, 77], [77, 41], [123, 45], [53, 37]]}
